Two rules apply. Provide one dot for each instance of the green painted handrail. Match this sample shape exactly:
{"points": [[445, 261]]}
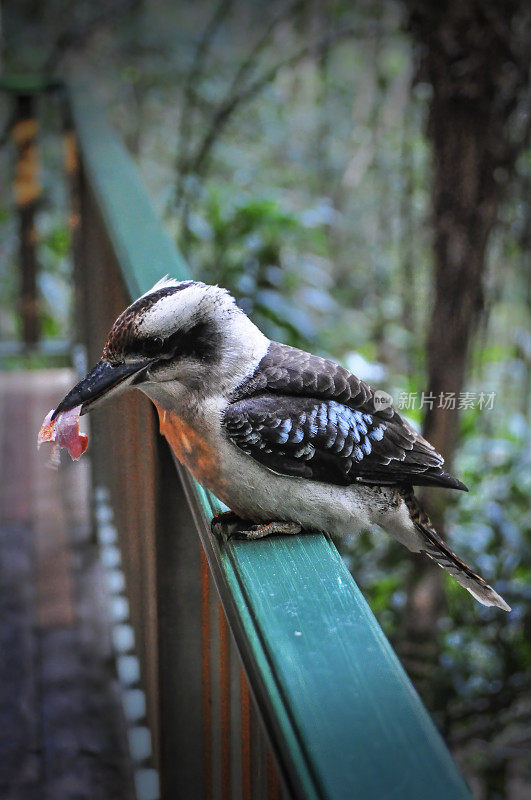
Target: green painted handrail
{"points": [[342, 715]]}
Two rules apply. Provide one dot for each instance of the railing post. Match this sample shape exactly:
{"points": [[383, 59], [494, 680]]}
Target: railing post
{"points": [[180, 601], [123, 444]]}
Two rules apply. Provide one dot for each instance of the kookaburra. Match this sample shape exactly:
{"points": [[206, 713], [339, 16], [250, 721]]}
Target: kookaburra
{"points": [[289, 441]]}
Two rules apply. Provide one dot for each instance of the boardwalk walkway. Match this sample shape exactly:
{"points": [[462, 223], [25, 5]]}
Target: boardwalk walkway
{"points": [[62, 735]]}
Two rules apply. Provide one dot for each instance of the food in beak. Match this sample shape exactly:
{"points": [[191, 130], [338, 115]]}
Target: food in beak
{"points": [[63, 431]]}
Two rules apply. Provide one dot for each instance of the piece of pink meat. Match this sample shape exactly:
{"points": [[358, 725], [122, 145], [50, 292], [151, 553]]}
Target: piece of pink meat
{"points": [[63, 432]]}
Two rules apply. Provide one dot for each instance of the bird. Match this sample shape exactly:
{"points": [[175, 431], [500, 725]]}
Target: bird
{"points": [[288, 441]]}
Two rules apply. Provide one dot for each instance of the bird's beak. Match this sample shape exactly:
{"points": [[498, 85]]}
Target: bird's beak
{"points": [[104, 381]]}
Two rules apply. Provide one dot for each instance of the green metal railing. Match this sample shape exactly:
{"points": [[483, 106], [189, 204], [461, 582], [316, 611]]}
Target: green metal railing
{"points": [[266, 673]]}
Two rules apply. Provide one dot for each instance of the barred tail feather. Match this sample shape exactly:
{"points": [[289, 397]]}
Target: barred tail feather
{"points": [[438, 551], [462, 573]]}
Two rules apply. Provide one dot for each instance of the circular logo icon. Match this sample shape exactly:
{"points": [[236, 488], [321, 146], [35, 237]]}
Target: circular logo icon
{"points": [[382, 400]]}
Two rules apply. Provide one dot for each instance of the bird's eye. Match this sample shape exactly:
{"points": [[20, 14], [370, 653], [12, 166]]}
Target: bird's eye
{"points": [[152, 346]]}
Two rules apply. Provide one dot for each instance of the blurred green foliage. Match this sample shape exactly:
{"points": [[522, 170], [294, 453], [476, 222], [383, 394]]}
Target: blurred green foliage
{"points": [[254, 247]]}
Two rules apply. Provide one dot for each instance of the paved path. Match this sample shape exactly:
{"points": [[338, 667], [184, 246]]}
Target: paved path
{"points": [[62, 736]]}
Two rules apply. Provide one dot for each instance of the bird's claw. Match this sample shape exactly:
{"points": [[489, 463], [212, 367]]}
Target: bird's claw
{"points": [[229, 525], [269, 528]]}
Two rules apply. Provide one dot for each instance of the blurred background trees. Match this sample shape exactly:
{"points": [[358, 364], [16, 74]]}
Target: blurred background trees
{"points": [[358, 175]]}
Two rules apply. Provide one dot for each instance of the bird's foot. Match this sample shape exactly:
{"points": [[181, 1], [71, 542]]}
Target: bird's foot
{"points": [[267, 528], [229, 525]]}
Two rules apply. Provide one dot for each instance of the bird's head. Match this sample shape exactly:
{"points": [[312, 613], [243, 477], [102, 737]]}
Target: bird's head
{"points": [[179, 334]]}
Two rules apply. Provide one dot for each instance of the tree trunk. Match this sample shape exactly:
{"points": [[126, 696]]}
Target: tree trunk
{"points": [[27, 191], [465, 202], [473, 55]]}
